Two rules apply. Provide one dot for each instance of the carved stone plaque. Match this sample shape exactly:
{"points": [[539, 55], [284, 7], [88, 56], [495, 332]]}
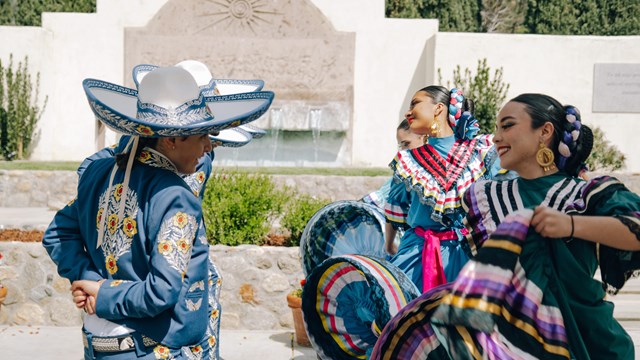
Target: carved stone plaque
{"points": [[616, 88], [288, 43]]}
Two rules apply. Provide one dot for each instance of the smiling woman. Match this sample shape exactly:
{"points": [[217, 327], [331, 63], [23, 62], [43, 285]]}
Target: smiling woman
{"points": [[429, 182], [537, 240]]}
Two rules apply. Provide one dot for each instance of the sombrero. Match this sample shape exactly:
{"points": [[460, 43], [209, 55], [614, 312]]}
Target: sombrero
{"points": [[340, 228], [347, 300], [214, 87], [169, 102], [205, 80], [234, 137]]}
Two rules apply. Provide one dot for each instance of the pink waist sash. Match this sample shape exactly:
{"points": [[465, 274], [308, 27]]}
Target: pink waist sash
{"points": [[432, 267]]}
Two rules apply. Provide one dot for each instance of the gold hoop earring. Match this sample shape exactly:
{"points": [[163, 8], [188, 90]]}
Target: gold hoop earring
{"points": [[435, 126], [545, 158]]}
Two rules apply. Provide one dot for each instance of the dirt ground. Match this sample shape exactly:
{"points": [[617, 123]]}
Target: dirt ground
{"points": [[21, 235], [36, 236]]}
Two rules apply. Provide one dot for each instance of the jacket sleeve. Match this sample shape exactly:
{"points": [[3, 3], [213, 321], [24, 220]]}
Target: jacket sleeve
{"points": [[170, 251], [65, 246]]}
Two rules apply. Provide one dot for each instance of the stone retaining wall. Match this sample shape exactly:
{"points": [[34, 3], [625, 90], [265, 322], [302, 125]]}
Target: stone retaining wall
{"points": [[255, 282], [54, 189]]}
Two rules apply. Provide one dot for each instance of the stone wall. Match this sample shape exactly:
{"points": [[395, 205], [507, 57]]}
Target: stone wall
{"points": [[255, 282], [53, 189]]}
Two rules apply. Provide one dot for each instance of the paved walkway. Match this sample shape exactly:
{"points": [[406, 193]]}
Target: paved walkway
{"points": [[65, 343]]}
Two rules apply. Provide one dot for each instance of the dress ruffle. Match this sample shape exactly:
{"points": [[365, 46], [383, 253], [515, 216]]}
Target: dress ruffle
{"points": [[439, 182]]}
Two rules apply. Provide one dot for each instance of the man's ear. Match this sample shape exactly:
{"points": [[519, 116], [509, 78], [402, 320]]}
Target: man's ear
{"points": [[168, 142]]}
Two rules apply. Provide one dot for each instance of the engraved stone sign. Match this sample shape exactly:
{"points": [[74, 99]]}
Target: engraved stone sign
{"points": [[616, 88]]}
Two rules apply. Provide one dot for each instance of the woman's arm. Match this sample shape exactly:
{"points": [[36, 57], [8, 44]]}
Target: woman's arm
{"points": [[605, 230], [389, 236]]}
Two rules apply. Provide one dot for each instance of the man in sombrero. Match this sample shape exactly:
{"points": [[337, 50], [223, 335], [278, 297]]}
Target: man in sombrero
{"points": [[133, 242]]}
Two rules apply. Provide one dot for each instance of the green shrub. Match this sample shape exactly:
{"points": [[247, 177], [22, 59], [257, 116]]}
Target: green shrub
{"points": [[19, 110], [297, 214], [238, 207], [604, 156], [487, 91], [28, 12]]}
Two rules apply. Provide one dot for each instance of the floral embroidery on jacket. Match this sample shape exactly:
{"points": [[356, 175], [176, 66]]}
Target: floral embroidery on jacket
{"points": [[153, 158], [118, 232], [175, 238], [195, 182], [162, 352], [115, 283], [193, 352]]}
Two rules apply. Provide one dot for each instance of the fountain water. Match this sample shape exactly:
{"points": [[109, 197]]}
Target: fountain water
{"points": [[315, 118], [276, 127]]}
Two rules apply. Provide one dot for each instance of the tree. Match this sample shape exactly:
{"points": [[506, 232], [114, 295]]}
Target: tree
{"points": [[499, 16], [403, 9], [604, 156], [28, 12], [487, 90], [20, 111], [461, 15], [583, 17], [562, 17]]}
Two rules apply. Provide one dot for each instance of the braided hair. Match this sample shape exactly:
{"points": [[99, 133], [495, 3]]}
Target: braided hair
{"points": [[572, 141], [459, 109]]}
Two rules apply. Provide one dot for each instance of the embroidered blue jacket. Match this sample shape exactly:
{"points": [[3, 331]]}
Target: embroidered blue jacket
{"points": [[154, 253], [196, 181]]}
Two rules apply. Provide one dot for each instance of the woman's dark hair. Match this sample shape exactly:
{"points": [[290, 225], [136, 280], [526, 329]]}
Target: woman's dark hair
{"points": [[123, 157], [441, 94], [542, 109], [404, 125]]}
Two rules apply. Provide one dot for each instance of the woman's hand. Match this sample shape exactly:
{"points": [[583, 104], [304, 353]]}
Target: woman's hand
{"points": [[551, 223]]}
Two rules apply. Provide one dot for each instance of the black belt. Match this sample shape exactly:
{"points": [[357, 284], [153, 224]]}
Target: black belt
{"points": [[115, 343]]}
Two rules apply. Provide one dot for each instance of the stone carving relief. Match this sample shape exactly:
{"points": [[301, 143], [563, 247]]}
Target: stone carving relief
{"points": [[288, 43]]}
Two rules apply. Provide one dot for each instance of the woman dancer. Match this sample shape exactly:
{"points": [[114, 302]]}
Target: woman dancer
{"points": [[530, 291], [429, 182]]}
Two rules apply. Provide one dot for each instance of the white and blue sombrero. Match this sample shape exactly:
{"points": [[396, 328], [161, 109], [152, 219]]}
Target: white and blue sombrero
{"points": [[169, 102], [208, 84], [234, 137], [214, 87]]}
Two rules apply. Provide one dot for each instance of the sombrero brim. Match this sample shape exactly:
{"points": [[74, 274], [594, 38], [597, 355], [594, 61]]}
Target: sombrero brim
{"points": [[232, 86], [235, 137], [341, 228], [348, 299], [224, 86], [255, 132], [117, 106]]}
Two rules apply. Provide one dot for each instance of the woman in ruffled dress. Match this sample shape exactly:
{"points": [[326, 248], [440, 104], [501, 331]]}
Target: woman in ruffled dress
{"points": [[429, 181], [529, 292]]}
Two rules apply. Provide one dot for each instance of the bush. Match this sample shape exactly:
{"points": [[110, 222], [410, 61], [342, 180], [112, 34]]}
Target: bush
{"points": [[488, 92], [604, 156], [28, 12], [237, 208], [19, 110], [299, 210]]}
